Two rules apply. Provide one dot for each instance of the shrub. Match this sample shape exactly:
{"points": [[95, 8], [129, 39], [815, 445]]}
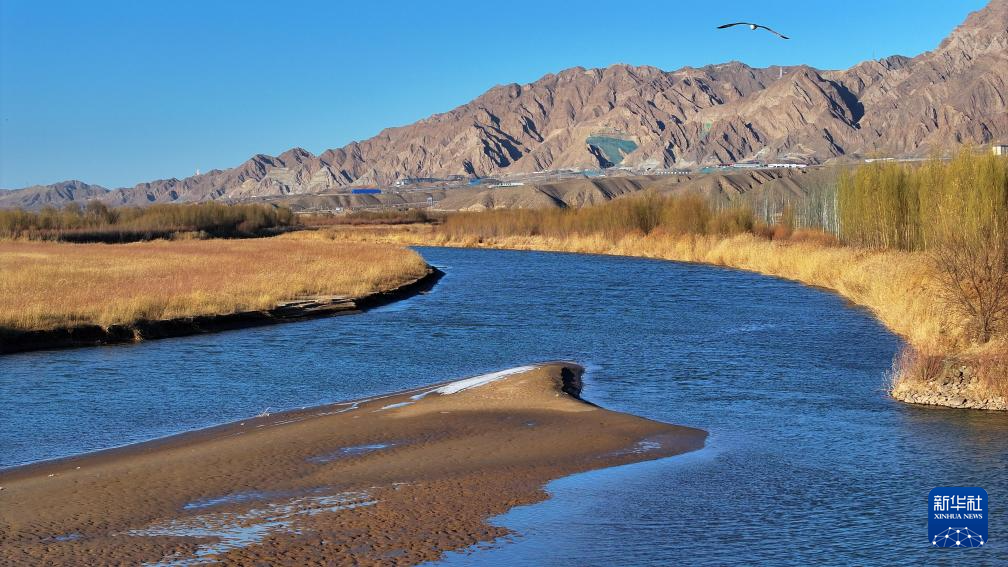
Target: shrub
{"points": [[732, 221], [973, 270], [98, 223], [640, 214], [391, 217], [813, 236]]}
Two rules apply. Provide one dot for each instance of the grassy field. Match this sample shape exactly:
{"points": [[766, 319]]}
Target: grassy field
{"points": [[49, 285]]}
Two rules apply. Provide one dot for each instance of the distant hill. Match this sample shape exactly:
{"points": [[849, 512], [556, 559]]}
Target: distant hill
{"points": [[747, 187], [898, 106], [57, 194]]}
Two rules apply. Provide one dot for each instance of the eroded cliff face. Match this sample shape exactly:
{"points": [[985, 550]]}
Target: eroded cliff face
{"points": [[896, 106]]}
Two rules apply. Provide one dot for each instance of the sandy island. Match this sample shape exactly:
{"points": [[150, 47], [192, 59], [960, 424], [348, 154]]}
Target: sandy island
{"points": [[396, 479]]}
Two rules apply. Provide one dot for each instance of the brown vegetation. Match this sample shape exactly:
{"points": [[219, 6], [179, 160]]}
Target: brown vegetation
{"points": [[99, 223], [957, 211], [48, 285], [391, 217], [980, 380], [639, 214]]}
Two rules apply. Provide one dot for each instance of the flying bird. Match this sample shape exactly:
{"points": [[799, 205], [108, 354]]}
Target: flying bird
{"points": [[754, 27]]}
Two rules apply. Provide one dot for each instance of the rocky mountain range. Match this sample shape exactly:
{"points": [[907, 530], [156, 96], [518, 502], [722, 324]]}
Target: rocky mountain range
{"points": [[897, 106]]}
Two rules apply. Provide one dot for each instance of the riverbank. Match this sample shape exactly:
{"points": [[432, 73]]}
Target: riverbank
{"points": [[146, 330], [396, 479], [897, 287], [56, 295]]}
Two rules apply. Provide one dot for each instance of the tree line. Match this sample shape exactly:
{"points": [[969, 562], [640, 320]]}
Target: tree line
{"points": [[97, 222], [925, 206], [956, 211], [644, 214]]}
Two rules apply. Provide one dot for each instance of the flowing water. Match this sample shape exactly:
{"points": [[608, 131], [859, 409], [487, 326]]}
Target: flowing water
{"points": [[807, 462]]}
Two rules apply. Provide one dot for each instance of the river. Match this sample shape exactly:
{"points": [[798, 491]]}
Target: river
{"points": [[808, 460]]}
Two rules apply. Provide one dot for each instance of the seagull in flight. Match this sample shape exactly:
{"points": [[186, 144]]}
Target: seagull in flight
{"points": [[754, 27]]}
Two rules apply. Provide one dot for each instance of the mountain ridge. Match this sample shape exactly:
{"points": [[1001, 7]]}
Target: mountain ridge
{"points": [[693, 116]]}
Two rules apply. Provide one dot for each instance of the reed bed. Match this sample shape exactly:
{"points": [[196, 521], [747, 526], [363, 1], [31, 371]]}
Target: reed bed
{"points": [[389, 217], [46, 285]]}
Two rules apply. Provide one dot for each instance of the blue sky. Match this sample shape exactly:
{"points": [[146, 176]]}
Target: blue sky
{"points": [[116, 93]]}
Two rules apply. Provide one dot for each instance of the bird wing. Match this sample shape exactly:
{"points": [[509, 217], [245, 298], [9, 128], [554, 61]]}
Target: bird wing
{"points": [[777, 33], [734, 24]]}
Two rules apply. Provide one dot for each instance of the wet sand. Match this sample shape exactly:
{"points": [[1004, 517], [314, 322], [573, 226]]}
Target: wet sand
{"points": [[397, 479]]}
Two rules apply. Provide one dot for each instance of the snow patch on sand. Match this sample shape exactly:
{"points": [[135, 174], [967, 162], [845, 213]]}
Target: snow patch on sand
{"points": [[474, 382]]}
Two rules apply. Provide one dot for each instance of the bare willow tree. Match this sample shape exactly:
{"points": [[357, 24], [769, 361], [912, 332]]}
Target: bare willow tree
{"points": [[967, 200], [974, 277], [955, 210]]}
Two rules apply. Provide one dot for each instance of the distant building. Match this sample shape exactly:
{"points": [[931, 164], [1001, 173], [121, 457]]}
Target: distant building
{"points": [[786, 165], [484, 181], [404, 181], [507, 184], [365, 191], [1000, 149]]}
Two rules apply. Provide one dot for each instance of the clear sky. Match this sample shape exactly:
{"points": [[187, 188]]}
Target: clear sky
{"points": [[116, 93]]}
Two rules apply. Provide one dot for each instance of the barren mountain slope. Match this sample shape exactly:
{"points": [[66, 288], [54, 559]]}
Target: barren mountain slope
{"points": [[56, 194], [643, 116]]}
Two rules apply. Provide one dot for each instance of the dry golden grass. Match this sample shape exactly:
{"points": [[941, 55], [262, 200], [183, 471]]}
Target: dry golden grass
{"points": [[992, 370], [900, 288], [45, 285], [915, 373]]}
